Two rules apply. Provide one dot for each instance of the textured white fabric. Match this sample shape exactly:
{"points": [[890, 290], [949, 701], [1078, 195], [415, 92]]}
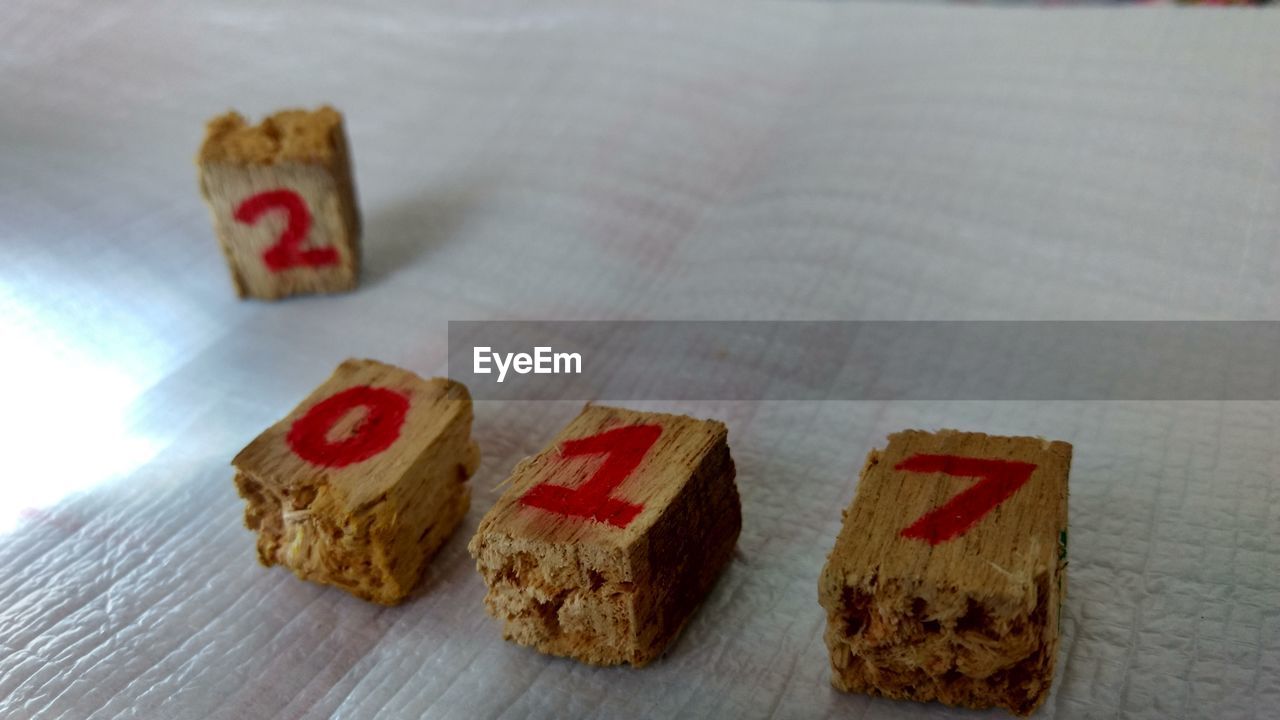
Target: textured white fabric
{"points": [[584, 160]]}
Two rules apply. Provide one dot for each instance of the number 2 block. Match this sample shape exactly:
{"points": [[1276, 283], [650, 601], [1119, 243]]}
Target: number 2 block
{"points": [[946, 579], [363, 481], [605, 543], [283, 202]]}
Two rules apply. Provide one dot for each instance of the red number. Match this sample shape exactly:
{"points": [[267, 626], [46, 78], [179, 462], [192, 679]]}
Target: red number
{"points": [[287, 252], [1000, 479], [377, 430], [623, 449]]}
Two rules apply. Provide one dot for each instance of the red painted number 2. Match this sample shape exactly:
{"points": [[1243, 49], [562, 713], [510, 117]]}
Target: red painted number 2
{"points": [[384, 412], [623, 449], [999, 480], [287, 252]]}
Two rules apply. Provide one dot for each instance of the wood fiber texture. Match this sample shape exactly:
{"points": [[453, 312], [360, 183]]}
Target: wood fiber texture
{"points": [[305, 152], [589, 589], [366, 525], [968, 619]]}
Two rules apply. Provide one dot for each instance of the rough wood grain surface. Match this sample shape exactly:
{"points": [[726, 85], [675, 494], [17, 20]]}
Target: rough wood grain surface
{"points": [[605, 543], [946, 579], [361, 493], [305, 152]]}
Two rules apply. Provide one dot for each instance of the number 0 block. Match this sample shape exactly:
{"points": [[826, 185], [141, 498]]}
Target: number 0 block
{"points": [[363, 481], [946, 579], [605, 542], [283, 202]]}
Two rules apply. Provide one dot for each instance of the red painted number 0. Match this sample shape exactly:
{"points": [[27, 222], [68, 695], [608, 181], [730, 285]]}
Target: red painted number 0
{"points": [[287, 252], [623, 449], [384, 412], [999, 480]]}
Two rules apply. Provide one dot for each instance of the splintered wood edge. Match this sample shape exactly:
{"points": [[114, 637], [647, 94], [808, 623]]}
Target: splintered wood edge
{"points": [[294, 135]]}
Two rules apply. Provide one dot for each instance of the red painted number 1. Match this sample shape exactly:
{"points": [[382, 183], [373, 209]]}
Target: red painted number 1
{"points": [[623, 449], [1000, 479], [287, 252]]}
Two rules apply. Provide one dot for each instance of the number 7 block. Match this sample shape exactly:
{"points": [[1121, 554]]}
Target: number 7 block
{"points": [[283, 202], [948, 574], [605, 542]]}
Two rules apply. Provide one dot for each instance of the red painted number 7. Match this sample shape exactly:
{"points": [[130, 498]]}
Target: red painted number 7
{"points": [[999, 480], [623, 449], [287, 252]]}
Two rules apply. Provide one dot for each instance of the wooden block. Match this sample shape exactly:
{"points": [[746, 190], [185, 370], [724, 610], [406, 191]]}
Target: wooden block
{"points": [[605, 542], [283, 202], [947, 576], [363, 481]]}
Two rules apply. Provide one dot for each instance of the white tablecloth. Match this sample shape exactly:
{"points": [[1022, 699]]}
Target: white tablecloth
{"points": [[586, 160]]}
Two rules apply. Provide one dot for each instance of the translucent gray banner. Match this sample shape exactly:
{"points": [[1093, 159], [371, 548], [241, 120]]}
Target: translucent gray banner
{"points": [[989, 360]]}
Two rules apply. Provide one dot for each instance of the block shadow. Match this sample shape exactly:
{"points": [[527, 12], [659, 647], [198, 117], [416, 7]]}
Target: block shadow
{"points": [[400, 234]]}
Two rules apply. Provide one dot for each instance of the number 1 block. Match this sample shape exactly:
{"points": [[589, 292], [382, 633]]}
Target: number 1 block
{"points": [[605, 542], [946, 580], [363, 481], [283, 202]]}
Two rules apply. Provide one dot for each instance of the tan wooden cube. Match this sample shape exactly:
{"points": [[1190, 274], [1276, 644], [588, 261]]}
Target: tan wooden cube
{"points": [[947, 577], [363, 482], [605, 543], [283, 202]]}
